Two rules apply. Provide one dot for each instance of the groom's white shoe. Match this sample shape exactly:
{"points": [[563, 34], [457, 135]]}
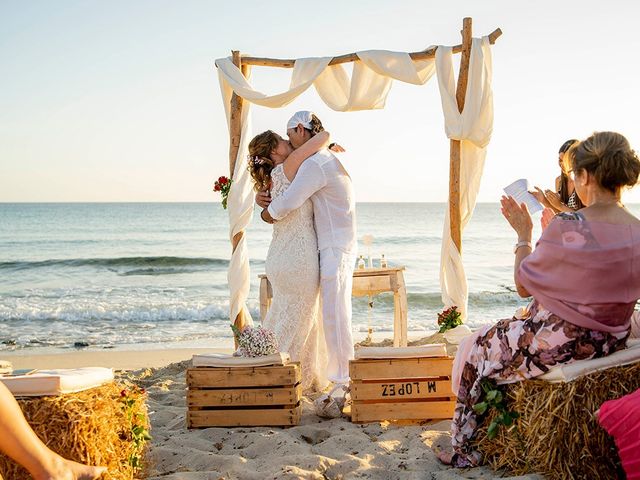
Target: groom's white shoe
{"points": [[330, 405]]}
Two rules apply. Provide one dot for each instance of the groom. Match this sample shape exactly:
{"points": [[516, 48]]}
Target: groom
{"points": [[323, 179]]}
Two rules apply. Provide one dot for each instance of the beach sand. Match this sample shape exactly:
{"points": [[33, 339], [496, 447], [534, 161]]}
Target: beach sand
{"points": [[316, 449]]}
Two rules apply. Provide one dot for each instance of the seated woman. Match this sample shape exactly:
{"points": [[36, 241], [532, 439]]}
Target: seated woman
{"points": [[19, 441], [584, 277], [565, 198]]}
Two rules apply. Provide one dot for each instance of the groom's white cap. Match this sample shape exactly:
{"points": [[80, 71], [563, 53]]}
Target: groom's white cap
{"points": [[303, 117]]}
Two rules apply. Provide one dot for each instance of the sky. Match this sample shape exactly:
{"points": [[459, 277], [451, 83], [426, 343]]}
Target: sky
{"points": [[119, 101]]}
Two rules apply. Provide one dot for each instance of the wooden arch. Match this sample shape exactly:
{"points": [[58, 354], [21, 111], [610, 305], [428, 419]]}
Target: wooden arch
{"points": [[242, 62]]}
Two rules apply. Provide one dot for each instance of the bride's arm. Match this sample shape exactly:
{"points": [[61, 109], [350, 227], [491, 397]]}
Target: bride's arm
{"points": [[295, 159]]}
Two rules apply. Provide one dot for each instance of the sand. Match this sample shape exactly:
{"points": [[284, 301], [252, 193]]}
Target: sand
{"points": [[316, 449]]}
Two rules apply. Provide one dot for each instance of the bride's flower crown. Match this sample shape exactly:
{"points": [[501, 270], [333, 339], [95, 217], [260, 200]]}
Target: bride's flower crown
{"points": [[256, 160]]}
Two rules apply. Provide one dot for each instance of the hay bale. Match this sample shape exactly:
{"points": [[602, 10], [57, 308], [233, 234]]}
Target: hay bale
{"points": [[93, 427], [557, 433]]}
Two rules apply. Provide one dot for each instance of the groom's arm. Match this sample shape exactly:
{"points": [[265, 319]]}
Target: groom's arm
{"points": [[309, 180]]}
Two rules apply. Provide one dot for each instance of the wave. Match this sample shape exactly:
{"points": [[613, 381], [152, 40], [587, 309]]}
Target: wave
{"points": [[81, 313], [433, 300], [162, 261]]}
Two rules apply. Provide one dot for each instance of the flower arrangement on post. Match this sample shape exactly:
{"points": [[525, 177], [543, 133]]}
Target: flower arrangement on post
{"points": [[449, 318], [223, 185], [255, 342]]}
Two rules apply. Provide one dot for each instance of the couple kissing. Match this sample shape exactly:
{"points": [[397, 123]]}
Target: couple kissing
{"points": [[307, 195]]}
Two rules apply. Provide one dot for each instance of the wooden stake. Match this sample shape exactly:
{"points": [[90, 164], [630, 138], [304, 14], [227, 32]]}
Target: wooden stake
{"points": [[455, 217], [236, 118], [352, 57], [235, 131]]}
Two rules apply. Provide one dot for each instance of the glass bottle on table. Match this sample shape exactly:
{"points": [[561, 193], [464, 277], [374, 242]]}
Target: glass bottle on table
{"points": [[383, 262], [361, 263]]}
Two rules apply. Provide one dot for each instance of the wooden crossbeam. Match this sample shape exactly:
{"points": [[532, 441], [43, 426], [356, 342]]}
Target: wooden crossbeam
{"points": [[353, 57]]}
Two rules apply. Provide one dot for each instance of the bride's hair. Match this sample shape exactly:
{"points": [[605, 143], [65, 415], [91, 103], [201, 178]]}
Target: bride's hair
{"points": [[316, 125], [260, 163]]}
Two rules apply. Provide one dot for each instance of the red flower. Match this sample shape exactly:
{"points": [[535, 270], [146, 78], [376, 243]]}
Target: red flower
{"points": [[217, 187], [223, 180]]}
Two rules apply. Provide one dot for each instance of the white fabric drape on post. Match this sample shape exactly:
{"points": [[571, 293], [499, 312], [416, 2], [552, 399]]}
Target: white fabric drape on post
{"points": [[473, 128], [367, 89], [240, 206]]}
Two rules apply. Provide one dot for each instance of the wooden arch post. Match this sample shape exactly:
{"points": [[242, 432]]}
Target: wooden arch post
{"points": [[235, 133], [455, 217]]}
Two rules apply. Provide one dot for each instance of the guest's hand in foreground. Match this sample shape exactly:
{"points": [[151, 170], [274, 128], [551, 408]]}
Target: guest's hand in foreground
{"points": [[518, 217], [547, 215], [334, 147], [263, 198]]}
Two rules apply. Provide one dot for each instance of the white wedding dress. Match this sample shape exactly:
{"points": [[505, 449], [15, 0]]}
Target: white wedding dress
{"points": [[293, 269]]}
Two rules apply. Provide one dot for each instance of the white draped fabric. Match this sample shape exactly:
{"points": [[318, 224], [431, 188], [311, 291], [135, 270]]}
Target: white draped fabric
{"points": [[240, 206], [367, 89], [473, 128]]}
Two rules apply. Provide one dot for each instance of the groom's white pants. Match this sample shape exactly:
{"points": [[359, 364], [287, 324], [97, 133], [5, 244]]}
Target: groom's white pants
{"points": [[336, 281]]}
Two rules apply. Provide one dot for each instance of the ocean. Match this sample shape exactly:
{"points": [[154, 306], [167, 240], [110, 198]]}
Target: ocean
{"points": [[143, 275]]}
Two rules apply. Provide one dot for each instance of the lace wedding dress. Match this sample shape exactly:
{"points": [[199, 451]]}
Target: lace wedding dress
{"points": [[293, 269]]}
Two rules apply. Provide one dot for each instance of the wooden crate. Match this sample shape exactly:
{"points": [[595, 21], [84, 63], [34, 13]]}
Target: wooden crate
{"points": [[395, 389], [244, 397]]}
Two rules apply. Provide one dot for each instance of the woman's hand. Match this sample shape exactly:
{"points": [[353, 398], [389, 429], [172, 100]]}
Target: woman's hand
{"points": [[263, 198], [547, 215], [541, 197], [518, 217], [334, 147], [554, 200]]}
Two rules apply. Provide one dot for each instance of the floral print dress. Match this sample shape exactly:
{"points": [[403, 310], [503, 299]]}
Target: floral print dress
{"points": [[517, 349]]}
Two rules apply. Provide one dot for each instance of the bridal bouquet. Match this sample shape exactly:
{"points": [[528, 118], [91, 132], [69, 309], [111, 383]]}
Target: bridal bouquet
{"points": [[255, 341], [449, 318], [223, 185]]}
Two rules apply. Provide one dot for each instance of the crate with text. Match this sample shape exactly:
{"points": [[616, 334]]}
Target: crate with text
{"points": [[401, 389], [244, 397]]}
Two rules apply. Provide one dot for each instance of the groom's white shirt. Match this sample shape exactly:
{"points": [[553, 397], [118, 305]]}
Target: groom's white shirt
{"points": [[323, 179]]}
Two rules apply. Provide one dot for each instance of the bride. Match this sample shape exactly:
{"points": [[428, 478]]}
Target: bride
{"points": [[292, 264]]}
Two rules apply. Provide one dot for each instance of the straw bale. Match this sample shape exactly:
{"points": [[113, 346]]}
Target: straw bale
{"points": [[91, 427], [557, 433]]}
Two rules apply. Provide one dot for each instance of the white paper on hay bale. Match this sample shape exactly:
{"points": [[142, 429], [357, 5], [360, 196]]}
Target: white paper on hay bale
{"points": [[58, 382]]}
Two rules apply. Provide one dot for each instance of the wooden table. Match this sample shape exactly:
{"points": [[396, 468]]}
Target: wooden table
{"points": [[366, 281]]}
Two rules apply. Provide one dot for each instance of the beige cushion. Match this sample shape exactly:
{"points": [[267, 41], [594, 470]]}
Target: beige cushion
{"points": [[222, 360], [433, 350], [56, 382], [567, 373]]}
